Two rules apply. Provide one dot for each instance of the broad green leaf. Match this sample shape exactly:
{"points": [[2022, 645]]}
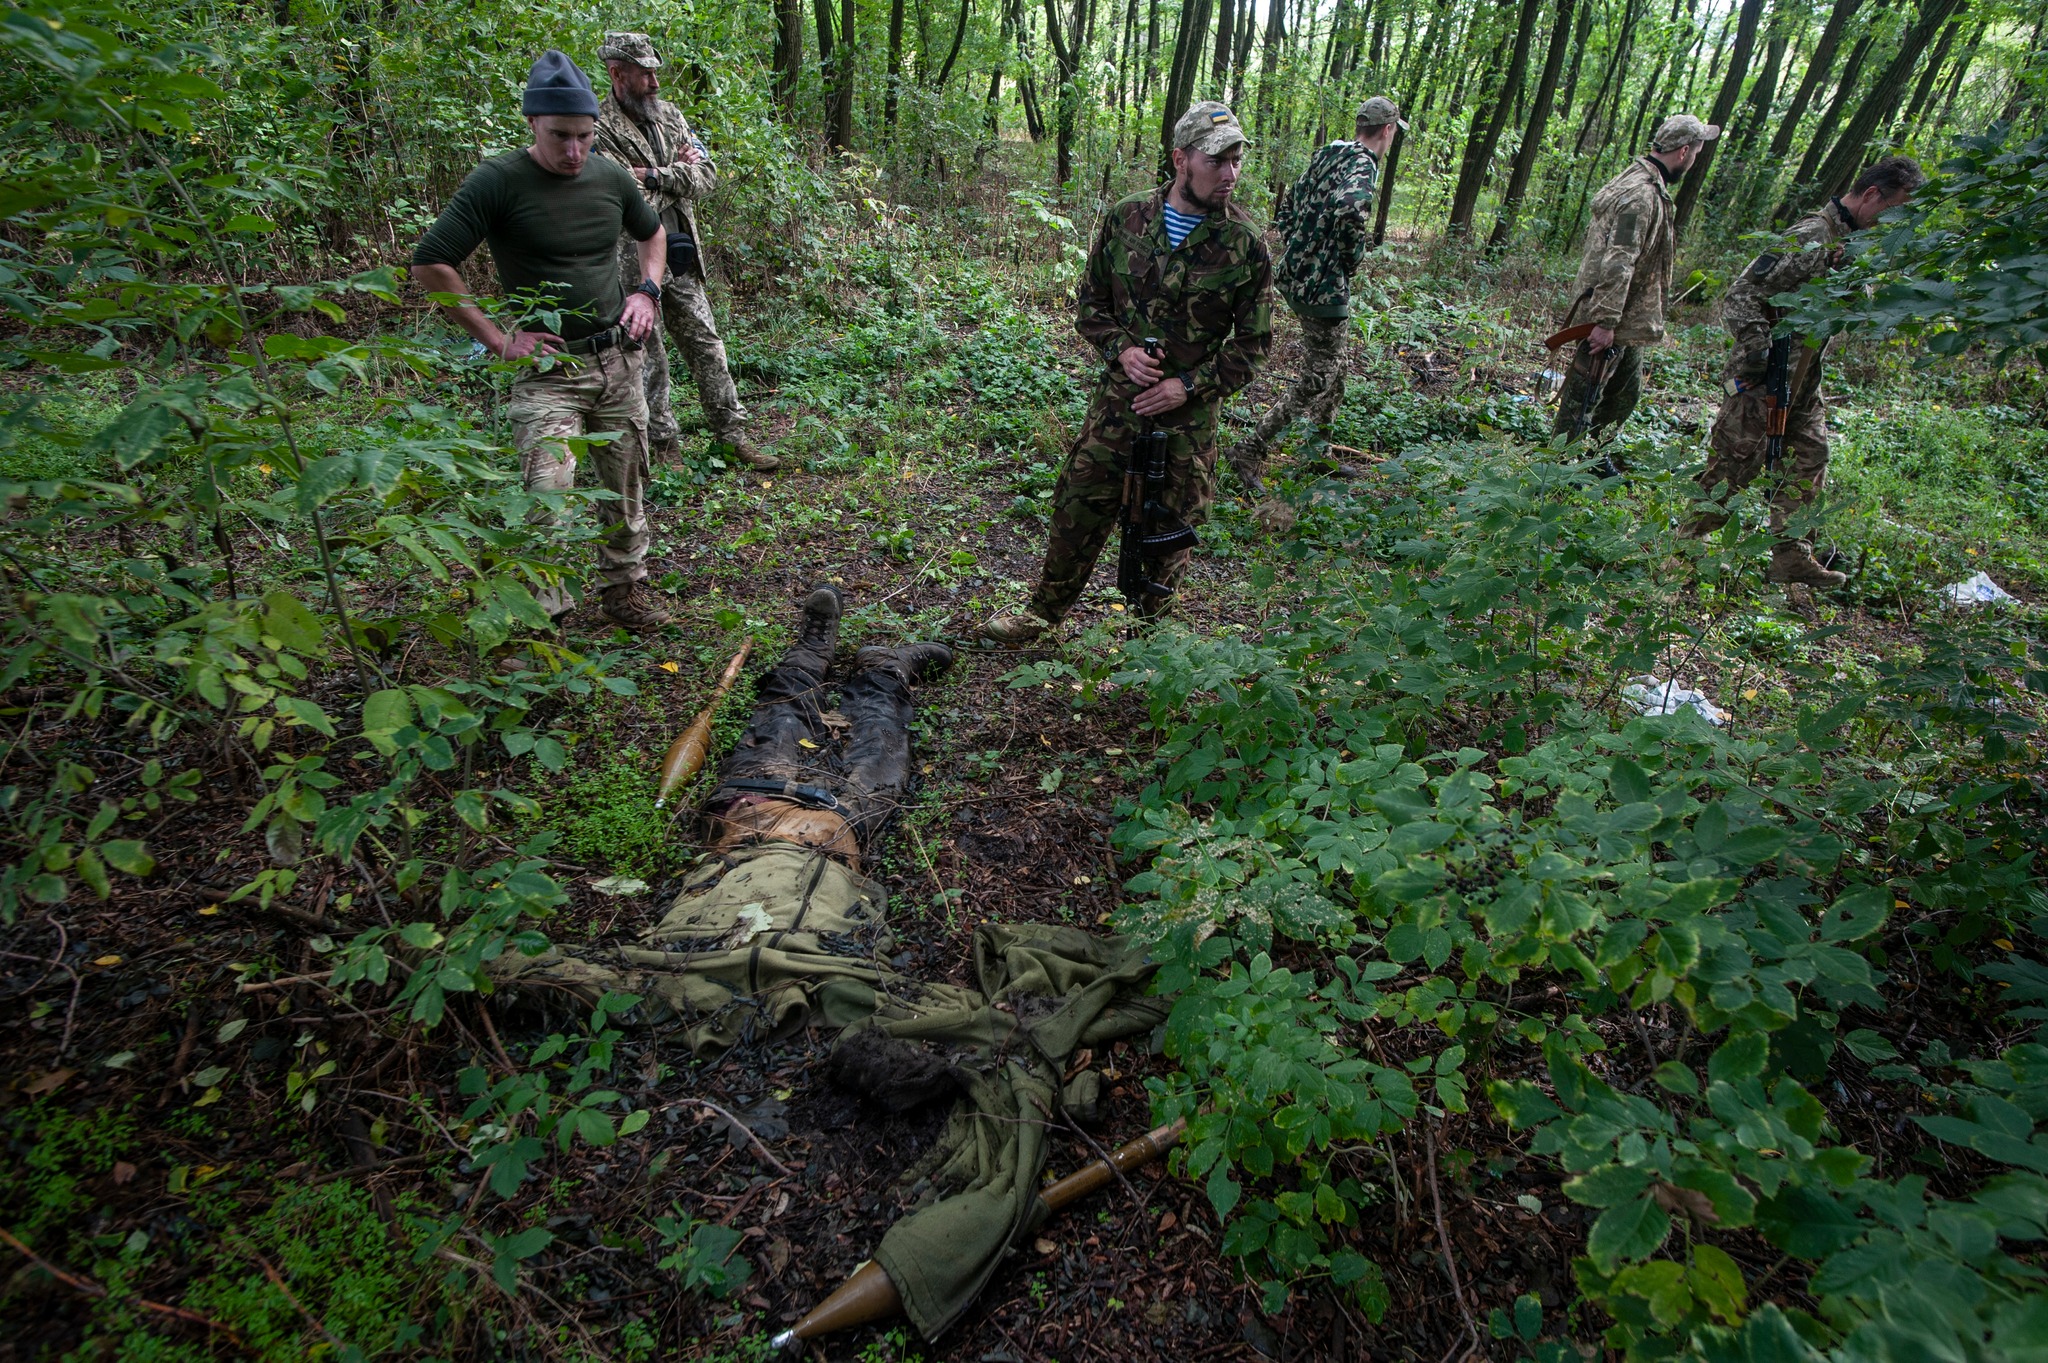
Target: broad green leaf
{"points": [[1630, 1231]]}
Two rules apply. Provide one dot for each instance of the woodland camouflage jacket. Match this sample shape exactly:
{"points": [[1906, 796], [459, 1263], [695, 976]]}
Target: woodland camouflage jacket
{"points": [[1325, 228], [1629, 248], [1209, 301], [676, 186], [1813, 250]]}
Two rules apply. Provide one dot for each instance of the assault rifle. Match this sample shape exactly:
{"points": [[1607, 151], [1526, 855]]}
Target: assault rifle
{"points": [[1777, 399], [1145, 527]]}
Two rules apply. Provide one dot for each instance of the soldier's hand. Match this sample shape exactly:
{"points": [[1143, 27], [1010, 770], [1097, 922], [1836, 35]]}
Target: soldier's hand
{"points": [[1599, 339], [1163, 396], [689, 154], [638, 316], [520, 344], [1141, 368]]}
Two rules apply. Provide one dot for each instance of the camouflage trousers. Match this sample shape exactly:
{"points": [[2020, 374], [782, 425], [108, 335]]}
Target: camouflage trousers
{"points": [[1618, 396], [1089, 497], [1737, 453], [578, 396], [1316, 394], [686, 317]]}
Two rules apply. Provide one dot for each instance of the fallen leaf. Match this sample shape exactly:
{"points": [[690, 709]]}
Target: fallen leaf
{"points": [[49, 1083], [106, 960], [119, 1062], [1749, 693], [671, 667], [209, 911], [1168, 1222], [1689, 1200], [1044, 1246], [124, 1172], [806, 743]]}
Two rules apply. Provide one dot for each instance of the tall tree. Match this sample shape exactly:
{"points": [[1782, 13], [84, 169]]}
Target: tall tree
{"points": [[1852, 147], [1187, 50], [1955, 80], [1269, 73], [1724, 105], [1487, 122], [1537, 126], [1219, 65], [1066, 55], [842, 78], [1817, 68], [1927, 79], [1824, 134], [953, 53], [895, 77], [789, 53]]}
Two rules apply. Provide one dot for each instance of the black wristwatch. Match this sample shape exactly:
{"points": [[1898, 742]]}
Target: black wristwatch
{"points": [[650, 288]]}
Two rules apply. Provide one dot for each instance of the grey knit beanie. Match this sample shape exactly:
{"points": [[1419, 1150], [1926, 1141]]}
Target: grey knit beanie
{"points": [[557, 85]]}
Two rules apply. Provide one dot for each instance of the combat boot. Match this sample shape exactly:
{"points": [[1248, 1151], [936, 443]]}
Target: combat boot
{"points": [[819, 637], [912, 662], [1699, 527], [633, 606], [745, 451], [1792, 561], [669, 451], [1014, 629], [1248, 462]]}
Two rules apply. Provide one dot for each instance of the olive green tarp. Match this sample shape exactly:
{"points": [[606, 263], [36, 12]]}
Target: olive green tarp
{"points": [[767, 939]]}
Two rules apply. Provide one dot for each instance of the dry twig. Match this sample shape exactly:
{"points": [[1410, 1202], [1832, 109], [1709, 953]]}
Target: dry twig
{"points": [[755, 1141], [1444, 1234], [94, 1289]]}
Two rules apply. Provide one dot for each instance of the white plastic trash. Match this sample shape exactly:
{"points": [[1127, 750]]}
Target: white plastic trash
{"points": [[1977, 590], [1653, 696]]}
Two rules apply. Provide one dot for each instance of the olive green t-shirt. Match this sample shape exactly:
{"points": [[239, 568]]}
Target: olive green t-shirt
{"points": [[553, 234]]}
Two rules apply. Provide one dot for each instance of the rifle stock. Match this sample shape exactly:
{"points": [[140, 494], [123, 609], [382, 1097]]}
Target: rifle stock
{"points": [[1777, 399]]}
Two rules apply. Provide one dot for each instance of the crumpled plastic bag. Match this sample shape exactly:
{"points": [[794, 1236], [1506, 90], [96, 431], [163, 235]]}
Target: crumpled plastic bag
{"points": [[1977, 590], [1653, 696]]}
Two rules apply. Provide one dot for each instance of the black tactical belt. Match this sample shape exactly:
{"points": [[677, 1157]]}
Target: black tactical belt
{"points": [[815, 797], [608, 339]]}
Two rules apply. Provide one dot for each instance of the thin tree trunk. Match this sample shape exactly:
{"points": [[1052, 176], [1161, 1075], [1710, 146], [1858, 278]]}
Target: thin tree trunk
{"points": [[1226, 31], [842, 116], [1580, 34], [828, 68], [1955, 82], [1850, 148], [1824, 135], [1269, 72], [895, 67], [1817, 67], [1927, 80], [1538, 124], [1486, 128], [1066, 54], [994, 118], [1187, 56], [953, 53], [789, 53], [1426, 51], [1724, 105]]}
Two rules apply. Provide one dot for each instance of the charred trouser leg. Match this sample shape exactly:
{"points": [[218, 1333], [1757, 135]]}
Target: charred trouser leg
{"points": [[876, 701], [1089, 497], [1617, 397], [789, 708]]}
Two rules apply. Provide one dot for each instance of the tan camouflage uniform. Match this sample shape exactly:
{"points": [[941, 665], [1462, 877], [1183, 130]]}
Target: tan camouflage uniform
{"points": [[685, 306], [1624, 278], [1738, 437], [577, 395]]}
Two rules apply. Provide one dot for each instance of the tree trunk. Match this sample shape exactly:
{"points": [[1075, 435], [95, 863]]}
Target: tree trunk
{"points": [[1850, 148], [1425, 51], [895, 67], [953, 53], [1824, 135], [828, 69], [994, 118], [1927, 79], [1066, 55], [1955, 82], [1269, 73], [1571, 78], [1226, 30], [1817, 67], [1537, 126], [1187, 57], [789, 53], [1485, 134], [1724, 105]]}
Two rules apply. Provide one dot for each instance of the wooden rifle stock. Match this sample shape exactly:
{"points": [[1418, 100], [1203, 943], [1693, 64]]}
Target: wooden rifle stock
{"points": [[868, 1295]]}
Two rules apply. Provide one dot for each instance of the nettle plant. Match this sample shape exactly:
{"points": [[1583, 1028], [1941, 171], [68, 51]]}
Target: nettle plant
{"points": [[200, 573], [1366, 924]]}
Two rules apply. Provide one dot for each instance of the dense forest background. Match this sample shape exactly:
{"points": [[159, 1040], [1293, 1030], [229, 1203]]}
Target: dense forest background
{"points": [[1513, 1020]]}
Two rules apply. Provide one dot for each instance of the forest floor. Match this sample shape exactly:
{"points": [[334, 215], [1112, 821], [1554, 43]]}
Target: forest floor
{"points": [[922, 401]]}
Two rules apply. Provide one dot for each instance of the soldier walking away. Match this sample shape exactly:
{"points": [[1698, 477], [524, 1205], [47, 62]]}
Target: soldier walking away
{"points": [[650, 137], [1325, 229], [1187, 267], [553, 215], [1741, 440], [1624, 279]]}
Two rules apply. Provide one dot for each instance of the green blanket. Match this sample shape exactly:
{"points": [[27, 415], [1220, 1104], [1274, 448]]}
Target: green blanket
{"points": [[766, 940]]}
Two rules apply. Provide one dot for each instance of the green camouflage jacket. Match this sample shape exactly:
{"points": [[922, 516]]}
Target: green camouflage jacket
{"points": [[1812, 249], [677, 185], [1626, 271], [1325, 228], [1208, 301]]}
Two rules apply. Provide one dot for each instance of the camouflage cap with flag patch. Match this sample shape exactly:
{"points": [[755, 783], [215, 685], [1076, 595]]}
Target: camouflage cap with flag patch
{"points": [[1208, 127]]}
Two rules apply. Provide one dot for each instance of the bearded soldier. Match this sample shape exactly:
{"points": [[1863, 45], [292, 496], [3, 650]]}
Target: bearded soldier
{"points": [[1325, 229], [1624, 278], [1740, 440], [1185, 266], [650, 136], [553, 215]]}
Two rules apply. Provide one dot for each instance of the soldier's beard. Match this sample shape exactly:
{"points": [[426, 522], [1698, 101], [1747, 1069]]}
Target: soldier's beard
{"points": [[640, 107], [1213, 204]]}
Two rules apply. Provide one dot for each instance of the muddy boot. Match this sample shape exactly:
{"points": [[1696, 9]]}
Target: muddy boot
{"points": [[1792, 561], [819, 636], [633, 606], [1248, 462], [669, 451], [912, 662], [1013, 629], [739, 448], [1699, 527]]}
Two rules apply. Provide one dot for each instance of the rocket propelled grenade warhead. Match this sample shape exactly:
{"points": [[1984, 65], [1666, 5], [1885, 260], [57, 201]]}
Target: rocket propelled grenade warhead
{"points": [[686, 755]]}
